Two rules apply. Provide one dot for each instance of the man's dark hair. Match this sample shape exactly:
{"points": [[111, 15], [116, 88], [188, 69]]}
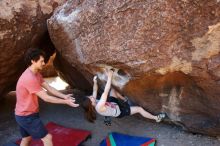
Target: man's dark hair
{"points": [[33, 54]]}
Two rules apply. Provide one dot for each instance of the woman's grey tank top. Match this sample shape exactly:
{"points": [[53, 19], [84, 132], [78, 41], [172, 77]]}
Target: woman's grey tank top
{"points": [[112, 109]]}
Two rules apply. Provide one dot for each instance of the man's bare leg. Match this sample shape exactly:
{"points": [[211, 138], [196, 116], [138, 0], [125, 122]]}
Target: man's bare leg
{"points": [[25, 141], [47, 140]]}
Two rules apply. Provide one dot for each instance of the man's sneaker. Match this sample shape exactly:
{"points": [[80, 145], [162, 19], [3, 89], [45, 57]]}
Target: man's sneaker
{"points": [[160, 117]]}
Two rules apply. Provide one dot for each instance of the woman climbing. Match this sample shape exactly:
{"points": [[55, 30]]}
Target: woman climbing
{"points": [[112, 104]]}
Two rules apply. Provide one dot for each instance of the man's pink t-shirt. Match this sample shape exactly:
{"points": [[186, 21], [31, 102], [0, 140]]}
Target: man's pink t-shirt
{"points": [[27, 101]]}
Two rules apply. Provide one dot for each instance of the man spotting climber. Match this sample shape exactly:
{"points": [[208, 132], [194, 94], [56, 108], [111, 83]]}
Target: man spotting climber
{"points": [[29, 87]]}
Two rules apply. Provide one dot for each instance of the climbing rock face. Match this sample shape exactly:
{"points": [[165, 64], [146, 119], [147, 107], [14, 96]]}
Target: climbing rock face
{"points": [[49, 70], [22, 25], [165, 53]]}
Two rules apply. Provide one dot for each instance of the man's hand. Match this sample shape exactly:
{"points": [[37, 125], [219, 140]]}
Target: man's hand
{"points": [[71, 102], [68, 96]]}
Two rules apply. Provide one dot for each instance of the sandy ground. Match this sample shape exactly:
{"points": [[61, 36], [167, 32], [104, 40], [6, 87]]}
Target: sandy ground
{"points": [[166, 135]]}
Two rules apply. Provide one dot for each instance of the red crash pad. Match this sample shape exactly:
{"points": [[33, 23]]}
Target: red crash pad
{"points": [[63, 136]]}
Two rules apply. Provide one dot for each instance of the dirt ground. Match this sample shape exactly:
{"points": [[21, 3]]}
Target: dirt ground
{"points": [[166, 135]]}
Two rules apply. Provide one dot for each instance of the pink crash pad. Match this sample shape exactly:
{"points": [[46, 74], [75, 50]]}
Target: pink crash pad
{"points": [[63, 136]]}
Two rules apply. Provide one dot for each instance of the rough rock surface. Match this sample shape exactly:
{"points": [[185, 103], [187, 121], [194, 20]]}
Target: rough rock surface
{"points": [[166, 54], [49, 70], [22, 25]]}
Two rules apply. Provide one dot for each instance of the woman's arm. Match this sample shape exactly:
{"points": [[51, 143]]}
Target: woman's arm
{"points": [[95, 87], [101, 104]]}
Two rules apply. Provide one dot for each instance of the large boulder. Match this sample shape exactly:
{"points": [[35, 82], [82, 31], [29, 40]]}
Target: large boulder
{"points": [[49, 70], [22, 25], [165, 53]]}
